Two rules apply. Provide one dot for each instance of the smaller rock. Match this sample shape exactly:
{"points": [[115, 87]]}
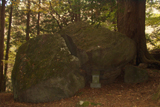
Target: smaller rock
{"points": [[110, 76], [133, 74], [143, 65]]}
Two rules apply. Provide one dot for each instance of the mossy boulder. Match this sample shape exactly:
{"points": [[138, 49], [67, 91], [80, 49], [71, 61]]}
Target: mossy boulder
{"points": [[99, 48], [133, 74], [45, 70]]}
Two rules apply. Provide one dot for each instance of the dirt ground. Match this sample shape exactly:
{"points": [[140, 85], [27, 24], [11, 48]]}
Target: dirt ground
{"points": [[117, 94]]}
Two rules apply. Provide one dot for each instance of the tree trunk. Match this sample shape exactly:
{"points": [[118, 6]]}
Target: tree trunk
{"points": [[77, 10], [28, 21], [7, 48], [2, 21], [120, 16], [38, 28], [134, 18]]}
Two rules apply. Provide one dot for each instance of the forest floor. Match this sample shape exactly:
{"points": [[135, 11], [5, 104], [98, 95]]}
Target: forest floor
{"points": [[117, 94]]}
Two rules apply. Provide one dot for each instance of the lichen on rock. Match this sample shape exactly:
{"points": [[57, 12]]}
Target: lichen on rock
{"points": [[99, 48], [133, 74], [45, 70], [47, 67]]}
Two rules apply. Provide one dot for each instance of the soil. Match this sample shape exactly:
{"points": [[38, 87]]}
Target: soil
{"points": [[117, 94]]}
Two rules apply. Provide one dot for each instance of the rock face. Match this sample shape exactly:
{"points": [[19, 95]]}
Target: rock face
{"points": [[45, 71], [133, 74], [47, 67], [99, 49]]}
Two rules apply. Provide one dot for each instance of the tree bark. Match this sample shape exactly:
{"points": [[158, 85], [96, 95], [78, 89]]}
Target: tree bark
{"points": [[120, 15], [77, 11], [38, 28], [2, 22], [28, 21], [134, 18]]}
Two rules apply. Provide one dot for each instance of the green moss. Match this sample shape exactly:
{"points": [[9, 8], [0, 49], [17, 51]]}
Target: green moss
{"points": [[134, 74], [93, 36], [87, 103], [102, 48], [38, 60]]}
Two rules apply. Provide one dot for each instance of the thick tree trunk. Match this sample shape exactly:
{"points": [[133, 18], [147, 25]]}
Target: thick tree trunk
{"points": [[7, 48], [134, 18], [28, 21], [2, 21]]}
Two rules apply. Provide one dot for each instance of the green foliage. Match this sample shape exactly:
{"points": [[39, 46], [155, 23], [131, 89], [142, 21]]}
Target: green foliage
{"points": [[153, 20], [87, 103], [60, 13]]}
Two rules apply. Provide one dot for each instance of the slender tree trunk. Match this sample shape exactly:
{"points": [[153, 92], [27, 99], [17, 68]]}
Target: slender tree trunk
{"points": [[28, 21], [7, 49], [71, 13], [77, 10], [2, 22], [38, 28], [52, 11]]}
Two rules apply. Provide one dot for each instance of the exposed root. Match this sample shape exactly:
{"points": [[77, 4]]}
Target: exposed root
{"points": [[153, 63]]}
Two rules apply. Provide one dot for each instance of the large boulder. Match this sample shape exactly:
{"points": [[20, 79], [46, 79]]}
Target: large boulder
{"points": [[99, 48], [45, 71]]}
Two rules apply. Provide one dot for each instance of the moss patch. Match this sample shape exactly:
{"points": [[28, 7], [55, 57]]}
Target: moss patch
{"points": [[134, 74], [87, 103], [39, 59], [87, 37], [103, 48]]}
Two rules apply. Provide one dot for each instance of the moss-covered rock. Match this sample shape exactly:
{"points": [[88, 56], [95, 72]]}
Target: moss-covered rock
{"points": [[99, 48], [45, 70], [133, 74]]}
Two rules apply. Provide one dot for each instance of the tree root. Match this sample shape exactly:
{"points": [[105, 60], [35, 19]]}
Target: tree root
{"points": [[151, 62]]}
